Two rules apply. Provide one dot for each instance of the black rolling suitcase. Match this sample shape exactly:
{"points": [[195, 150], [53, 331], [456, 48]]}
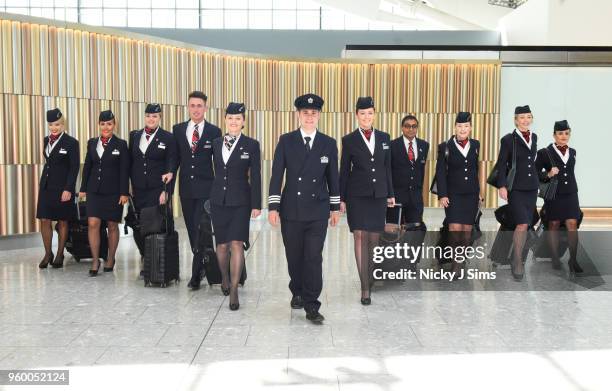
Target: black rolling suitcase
{"points": [[77, 243], [206, 249], [161, 254], [542, 249]]}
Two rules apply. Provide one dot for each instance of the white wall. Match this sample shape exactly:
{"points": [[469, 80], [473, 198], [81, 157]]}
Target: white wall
{"points": [[583, 96], [559, 23]]}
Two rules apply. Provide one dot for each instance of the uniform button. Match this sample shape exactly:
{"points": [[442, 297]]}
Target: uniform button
{"points": [[299, 193], [529, 165], [192, 156], [566, 182], [411, 177], [145, 172], [145, 164], [564, 166], [466, 178], [565, 174], [225, 167], [98, 178], [372, 159], [314, 180], [466, 161], [192, 166], [299, 179], [191, 177], [223, 187], [466, 169], [374, 180], [412, 168], [225, 177], [313, 195], [529, 174], [373, 169], [99, 169]]}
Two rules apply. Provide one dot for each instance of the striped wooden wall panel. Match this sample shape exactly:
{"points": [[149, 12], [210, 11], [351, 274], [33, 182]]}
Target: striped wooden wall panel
{"points": [[83, 72]]}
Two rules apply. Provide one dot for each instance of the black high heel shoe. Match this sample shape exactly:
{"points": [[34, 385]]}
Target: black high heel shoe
{"points": [[517, 276], [234, 306], [94, 272], [45, 261], [58, 262], [109, 269], [226, 291], [574, 266], [366, 301]]}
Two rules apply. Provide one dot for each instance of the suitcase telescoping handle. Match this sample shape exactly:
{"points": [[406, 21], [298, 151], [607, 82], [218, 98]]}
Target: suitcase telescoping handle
{"points": [[399, 214], [166, 207], [76, 203]]}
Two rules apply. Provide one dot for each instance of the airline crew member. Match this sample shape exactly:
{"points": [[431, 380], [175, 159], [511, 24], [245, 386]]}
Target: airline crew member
{"points": [[56, 188], [309, 198]]}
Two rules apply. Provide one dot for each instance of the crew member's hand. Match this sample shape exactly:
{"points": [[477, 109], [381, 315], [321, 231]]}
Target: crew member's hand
{"points": [[391, 202], [123, 200], [334, 217], [342, 207], [273, 218], [553, 171], [503, 193], [163, 198], [444, 201], [66, 196], [255, 213], [166, 178], [82, 194]]}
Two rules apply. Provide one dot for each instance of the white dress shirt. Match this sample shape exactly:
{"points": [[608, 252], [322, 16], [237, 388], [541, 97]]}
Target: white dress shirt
{"points": [[144, 144], [100, 147], [523, 138], [370, 144], [563, 157], [464, 151], [312, 137], [50, 147]]}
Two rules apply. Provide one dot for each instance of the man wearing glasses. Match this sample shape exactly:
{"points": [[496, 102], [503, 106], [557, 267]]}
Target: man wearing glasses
{"points": [[408, 157]]}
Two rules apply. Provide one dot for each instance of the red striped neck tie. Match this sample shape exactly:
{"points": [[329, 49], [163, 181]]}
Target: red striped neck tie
{"points": [[462, 143], [410, 151], [195, 138], [526, 135], [104, 141]]}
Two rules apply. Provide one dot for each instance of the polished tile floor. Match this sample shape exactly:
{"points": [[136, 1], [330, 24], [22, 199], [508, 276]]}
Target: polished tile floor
{"points": [[113, 333]]}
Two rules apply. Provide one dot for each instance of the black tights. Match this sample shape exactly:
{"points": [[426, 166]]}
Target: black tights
{"points": [[231, 266], [460, 235], [93, 234], [365, 242], [572, 238], [46, 231]]}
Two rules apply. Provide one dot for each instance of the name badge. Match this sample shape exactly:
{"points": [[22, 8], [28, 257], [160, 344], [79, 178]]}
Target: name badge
{"points": [[63, 151], [324, 159], [116, 152], [385, 146], [244, 156], [422, 161], [207, 146], [161, 146]]}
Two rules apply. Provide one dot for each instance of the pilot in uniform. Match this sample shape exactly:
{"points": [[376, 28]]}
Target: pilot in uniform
{"points": [[308, 159]]}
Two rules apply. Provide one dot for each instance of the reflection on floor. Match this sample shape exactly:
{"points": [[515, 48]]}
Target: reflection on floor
{"points": [[111, 332]]}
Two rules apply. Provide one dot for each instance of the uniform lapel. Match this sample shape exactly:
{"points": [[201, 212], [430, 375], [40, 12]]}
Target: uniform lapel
{"points": [[317, 145], [109, 147], [300, 148], [361, 142], [45, 143], [184, 127], [238, 149]]}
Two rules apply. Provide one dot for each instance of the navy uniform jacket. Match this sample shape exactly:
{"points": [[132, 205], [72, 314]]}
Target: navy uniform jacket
{"points": [[196, 169], [363, 174], [407, 176], [237, 182], [159, 159], [62, 165], [526, 177], [311, 186], [457, 174], [566, 180], [109, 174]]}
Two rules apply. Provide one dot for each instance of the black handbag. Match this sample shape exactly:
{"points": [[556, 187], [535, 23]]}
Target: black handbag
{"points": [[156, 219], [492, 178], [548, 189], [434, 182]]}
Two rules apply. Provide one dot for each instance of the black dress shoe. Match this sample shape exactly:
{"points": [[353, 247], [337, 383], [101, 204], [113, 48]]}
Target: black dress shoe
{"points": [[109, 269], [94, 272], [45, 261], [58, 262], [315, 317], [366, 301], [574, 266], [194, 283], [297, 302]]}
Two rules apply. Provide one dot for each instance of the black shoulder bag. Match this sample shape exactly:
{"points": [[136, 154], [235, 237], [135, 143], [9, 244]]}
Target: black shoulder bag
{"points": [[548, 189], [434, 183], [492, 179]]}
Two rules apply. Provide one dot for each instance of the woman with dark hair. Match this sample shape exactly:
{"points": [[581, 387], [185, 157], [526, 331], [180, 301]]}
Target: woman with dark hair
{"points": [[366, 188], [105, 183], [56, 189], [559, 160], [517, 154], [235, 197], [457, 180]]}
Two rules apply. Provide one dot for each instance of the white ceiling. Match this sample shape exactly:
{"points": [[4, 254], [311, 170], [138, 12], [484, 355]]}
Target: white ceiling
{"points": [[427, 14]]}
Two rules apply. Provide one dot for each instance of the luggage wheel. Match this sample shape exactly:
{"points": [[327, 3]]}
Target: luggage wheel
{"points": [[77, 259]]}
